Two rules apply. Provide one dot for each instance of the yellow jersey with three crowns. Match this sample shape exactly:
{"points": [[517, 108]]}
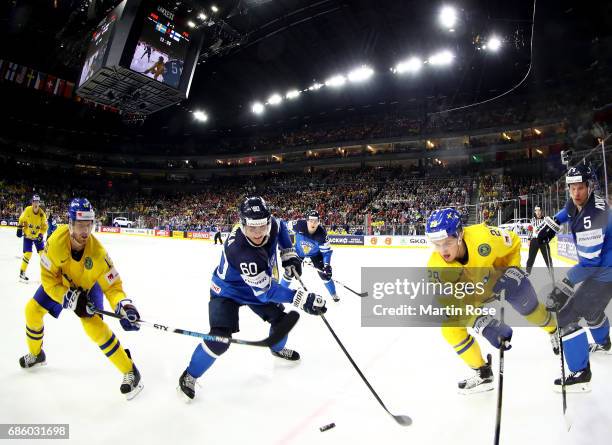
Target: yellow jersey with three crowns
{"points": [[59, 270], [33, 224]]}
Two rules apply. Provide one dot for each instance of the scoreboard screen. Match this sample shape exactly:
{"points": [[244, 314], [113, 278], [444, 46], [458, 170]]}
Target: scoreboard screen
{"points": [[162, 45], [98, 44]]}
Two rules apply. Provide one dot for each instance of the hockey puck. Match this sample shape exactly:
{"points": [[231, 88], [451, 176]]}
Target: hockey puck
{"points": [[327, 427]]}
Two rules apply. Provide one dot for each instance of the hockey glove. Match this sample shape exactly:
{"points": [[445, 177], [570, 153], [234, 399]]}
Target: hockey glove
{"points": [[549, 230], [310, 303], [130, 315], [40, 238], [291, 262], [497, 333], [19, 232], [327, 272], [71, 298], [559, 295]]}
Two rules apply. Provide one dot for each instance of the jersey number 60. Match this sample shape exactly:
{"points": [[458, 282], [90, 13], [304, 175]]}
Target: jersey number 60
{"points": [[248, 268]]}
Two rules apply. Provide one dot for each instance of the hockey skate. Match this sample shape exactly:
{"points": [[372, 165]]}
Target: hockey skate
{"points": [[605, 348], [286, 354], [131, 386], [481, 381], [335, 297], [23, 278], [579, 381], [31, 360], [187, 385]]}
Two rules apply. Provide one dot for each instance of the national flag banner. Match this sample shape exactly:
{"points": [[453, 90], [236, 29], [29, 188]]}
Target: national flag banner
{"points": [[50, 84], [21, 73], [30, 78], [69, 89], [59, 87], [11, 72], [41, 78]]}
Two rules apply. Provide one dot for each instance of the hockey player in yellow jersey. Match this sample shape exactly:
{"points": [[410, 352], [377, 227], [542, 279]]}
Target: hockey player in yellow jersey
{"points": [[32, 227], [490, 256], [75, 272]]}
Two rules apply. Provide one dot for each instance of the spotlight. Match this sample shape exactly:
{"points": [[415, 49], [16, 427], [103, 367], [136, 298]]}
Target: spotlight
{"points": [[257, 108], [315, 86], [292, 94], [214, 8], [360, 74], [493, 44], [191, 24], [275, 99], [335, 81], [448, 17], [442, 58], [202, 16], [411, 65], [200, 116]]}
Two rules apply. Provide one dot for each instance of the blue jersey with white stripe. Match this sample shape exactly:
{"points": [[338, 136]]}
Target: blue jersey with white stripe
{"points": [[245, 272], [311, 244], [592, 232]]}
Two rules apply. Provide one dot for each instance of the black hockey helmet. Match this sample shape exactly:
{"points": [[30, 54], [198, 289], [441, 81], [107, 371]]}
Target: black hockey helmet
{"points": [[254, 212], [580, 173], [312, 215]]}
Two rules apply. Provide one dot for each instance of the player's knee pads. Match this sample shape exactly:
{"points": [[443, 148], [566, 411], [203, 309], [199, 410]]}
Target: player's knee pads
{"points": [[519, 291], [96, 329], [454, 335], [217, 348], [34, 313]]}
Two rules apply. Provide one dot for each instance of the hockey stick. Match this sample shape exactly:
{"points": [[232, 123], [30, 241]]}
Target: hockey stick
{"points": [[401, 419], [359, 294], [500, 385], [551, 270], [280, 330]]}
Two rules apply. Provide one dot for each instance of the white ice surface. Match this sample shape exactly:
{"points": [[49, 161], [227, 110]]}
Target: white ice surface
{"points": [[249, 396]]}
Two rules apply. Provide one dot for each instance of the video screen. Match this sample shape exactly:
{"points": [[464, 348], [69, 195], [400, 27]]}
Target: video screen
{"points": [[98, 45], [162, 47]]}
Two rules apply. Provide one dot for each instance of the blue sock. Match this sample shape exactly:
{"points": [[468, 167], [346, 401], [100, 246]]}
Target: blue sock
{"points": [[602, 332], [331, 287], [201, 360], [576, 350]]}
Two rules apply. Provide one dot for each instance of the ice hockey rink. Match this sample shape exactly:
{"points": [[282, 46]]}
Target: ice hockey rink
{"points": [[251, 397]]}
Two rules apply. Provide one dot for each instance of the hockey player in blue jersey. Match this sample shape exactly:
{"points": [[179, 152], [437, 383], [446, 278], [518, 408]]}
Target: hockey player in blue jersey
{"points": [[246, 276], [590, 221], [311, 242]]}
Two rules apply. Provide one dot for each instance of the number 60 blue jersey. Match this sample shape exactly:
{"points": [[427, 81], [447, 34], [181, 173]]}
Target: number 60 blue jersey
{"points": [[592, 232], [245, 272]]}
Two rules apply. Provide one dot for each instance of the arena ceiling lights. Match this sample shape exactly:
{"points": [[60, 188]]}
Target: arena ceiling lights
{"points": [[200, 116], [441, 58], [411, 65], [335, 81], [360, 74], [448, 17]]}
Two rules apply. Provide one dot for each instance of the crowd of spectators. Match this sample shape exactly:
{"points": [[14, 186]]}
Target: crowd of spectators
{"points": [[347, 200]]}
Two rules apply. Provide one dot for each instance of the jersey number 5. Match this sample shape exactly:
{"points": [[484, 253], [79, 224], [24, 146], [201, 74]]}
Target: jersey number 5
{"points": [[586, 222]]}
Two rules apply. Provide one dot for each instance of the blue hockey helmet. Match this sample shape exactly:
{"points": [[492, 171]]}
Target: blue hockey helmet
{"points": [[579, 173], [80, 209], [443, 223]]}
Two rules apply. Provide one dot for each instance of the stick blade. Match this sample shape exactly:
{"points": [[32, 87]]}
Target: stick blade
{"points": [[283, 328], [363, 294], [403, 420]]}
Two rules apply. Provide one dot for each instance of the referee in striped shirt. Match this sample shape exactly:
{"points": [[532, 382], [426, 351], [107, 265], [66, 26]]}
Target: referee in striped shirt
{"points": [[536, 223]]}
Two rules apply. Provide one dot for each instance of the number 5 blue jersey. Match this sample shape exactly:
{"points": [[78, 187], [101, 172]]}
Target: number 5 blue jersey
{"points": [[592, 232], [245, 272]]}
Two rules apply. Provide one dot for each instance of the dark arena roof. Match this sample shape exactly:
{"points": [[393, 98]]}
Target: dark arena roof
{"points": [[253, 49]]}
